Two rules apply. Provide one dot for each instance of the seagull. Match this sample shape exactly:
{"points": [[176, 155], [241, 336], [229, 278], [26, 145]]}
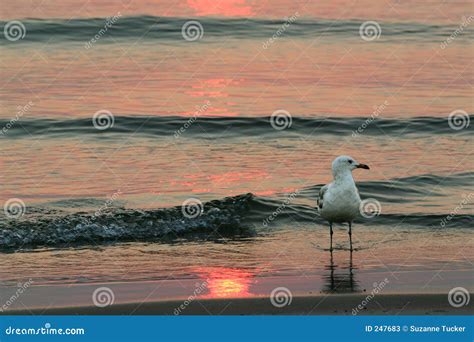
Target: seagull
{"points": [[339, 201]]}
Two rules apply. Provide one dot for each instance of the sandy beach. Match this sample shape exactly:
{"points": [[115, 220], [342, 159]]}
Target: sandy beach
{"points": [[406, 304]]}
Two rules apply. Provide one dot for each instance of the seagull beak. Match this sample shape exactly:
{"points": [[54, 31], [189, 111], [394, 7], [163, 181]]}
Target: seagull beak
{"points": [[363, 166]]}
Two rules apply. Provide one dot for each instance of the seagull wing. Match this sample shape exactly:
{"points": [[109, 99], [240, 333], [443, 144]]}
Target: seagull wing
{"points": [[322, 191]]}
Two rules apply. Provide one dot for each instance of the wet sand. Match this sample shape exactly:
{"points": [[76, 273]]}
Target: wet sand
{"points": [[338, 304]]}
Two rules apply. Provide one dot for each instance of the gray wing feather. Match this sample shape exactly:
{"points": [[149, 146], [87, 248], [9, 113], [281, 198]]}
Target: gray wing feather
{"points": [[322, 191]]}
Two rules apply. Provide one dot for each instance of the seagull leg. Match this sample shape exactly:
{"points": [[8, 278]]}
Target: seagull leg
{"points": [[330, 233], [351, 275], [350, 235]]}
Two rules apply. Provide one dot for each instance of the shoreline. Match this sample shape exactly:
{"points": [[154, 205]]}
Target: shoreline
{"points": [[334, 304]]}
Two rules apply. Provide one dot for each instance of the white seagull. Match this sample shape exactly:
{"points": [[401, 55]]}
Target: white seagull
{"points": [[339, 201]]}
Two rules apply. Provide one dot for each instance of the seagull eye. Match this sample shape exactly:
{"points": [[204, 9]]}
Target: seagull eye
{"points": [[349, 161]]}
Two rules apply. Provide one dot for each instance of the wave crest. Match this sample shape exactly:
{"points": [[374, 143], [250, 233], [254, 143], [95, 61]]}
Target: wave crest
{"points": [[218, 216]]}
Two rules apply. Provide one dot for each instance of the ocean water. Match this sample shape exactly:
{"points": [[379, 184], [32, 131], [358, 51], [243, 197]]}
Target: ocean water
{"points": [[105, 201]]}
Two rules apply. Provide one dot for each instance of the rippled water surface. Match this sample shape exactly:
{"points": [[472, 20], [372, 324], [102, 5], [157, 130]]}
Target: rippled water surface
{"points": [[193, 120]]}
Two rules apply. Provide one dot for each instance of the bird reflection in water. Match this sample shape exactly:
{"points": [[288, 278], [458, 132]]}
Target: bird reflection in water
{"points": [[340, 278]]}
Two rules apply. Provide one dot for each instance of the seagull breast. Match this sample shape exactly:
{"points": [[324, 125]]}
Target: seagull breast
{"points": [[339, 202]]}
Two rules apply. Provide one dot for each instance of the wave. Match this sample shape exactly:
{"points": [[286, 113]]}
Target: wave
{"points": [[407, 189], [239, 216], [212, 127], [272, 212], [168, 28], [119, 224]]}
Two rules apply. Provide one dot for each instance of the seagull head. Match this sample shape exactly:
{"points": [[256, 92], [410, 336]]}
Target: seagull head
{"points": [[345, 164]]}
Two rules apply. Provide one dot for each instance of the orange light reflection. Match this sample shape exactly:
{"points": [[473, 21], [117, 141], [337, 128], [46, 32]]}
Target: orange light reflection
{"points": [[225, 282], [228, 8]]}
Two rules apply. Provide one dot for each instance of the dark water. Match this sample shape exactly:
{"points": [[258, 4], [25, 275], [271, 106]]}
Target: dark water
{"points": [[212, 128], [59, 31]]}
